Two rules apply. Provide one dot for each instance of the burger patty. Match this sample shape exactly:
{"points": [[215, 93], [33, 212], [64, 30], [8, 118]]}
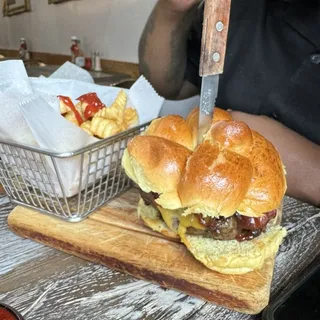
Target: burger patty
{"points": [[236, 227]]}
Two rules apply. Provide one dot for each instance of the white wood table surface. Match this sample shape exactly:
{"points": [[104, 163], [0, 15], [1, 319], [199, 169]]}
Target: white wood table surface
{"points": [[46, 284]]}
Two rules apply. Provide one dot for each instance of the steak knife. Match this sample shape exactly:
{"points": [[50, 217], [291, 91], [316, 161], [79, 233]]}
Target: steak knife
{"points": [[213, 48]]}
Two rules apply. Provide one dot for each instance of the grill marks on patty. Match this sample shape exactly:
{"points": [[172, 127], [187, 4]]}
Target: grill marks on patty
{"points": [[237, 227]]}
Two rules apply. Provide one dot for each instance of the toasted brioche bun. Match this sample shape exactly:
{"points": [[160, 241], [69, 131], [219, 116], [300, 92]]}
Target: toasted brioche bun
{"points": [[171, 127], [231, 256], [221, 115], [151, 217], [232, 135], [156, 164], [268, 183], [193, 121], [214, 182]]}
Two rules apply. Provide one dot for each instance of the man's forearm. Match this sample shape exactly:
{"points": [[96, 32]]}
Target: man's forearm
{"points": [[300, 156], [162, 49]]}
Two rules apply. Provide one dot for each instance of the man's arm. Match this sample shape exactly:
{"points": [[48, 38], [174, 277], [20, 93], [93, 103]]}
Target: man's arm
{"points": [[163, 48], [300, 156]]}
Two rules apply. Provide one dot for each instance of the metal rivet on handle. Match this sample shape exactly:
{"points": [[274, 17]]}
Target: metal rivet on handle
{"points": [[216, 57], [219, 26]]}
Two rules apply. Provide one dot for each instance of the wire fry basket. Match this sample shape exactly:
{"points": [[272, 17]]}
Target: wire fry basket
{"points": [[33, 177]]}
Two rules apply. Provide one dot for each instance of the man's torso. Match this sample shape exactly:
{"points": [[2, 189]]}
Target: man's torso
{"points": [[272, 63]]}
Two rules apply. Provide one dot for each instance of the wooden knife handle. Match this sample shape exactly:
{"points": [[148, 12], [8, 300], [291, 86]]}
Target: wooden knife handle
{"points": [[214, 36]]}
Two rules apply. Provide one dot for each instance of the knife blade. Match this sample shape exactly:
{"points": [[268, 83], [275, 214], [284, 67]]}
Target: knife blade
{"points": [[213, 48], [209, 93]]}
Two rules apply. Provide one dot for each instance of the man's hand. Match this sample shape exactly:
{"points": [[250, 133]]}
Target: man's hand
{"points": [[300, 156], [180, 5]]}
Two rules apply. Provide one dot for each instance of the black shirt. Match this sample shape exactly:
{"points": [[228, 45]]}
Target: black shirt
{"points": [[272, 63]]}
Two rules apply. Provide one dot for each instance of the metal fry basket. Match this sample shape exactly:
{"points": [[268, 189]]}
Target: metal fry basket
{"points": [[38, 178]]}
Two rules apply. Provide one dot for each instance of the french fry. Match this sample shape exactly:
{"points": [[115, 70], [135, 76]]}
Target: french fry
{"points": [[64, 108], [121, 101], [107, 121], [103, 128], [111, 113], [86, 126], [131, 117], [72, 118]]}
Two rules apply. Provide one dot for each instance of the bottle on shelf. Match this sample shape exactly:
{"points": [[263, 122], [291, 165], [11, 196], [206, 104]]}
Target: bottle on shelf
{"points": [[23, 50], [77, 56], [93, 59], [97, 63], [74, 49]]}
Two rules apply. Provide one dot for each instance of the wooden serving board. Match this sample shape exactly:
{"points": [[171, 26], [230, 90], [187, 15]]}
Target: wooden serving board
{"points": [[115, 237]]}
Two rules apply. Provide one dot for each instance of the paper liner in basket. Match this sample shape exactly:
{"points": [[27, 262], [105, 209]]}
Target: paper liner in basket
{"points": [[14, 78], [70, 71], [47, 129]]}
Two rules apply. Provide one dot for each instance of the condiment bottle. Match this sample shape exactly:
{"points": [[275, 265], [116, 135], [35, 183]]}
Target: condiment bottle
{"points": [[88, 63], [23, 50], [97, 64], [77, 56], [93, 59], [74, 49]]}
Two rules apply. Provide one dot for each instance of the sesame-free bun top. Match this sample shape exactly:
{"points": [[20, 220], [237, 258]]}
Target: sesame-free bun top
{"points": [[221, 115], [183, 131], [214, 181], [172, 127], [193, 121], [268, 182], [156, 165], [234, 169]]}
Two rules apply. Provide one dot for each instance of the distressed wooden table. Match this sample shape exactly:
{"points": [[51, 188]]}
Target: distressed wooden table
{"points": [[43, 283]]}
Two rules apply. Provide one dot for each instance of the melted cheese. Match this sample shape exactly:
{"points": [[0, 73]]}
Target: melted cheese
{"points": [[191, 220], [169, 216]]}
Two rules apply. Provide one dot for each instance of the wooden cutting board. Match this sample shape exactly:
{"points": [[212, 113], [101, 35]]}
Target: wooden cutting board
{"points": [[115, 237]]}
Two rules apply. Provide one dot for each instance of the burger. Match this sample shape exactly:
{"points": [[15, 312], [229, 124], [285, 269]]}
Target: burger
{"points": [[220, 198], [155, 162]]}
